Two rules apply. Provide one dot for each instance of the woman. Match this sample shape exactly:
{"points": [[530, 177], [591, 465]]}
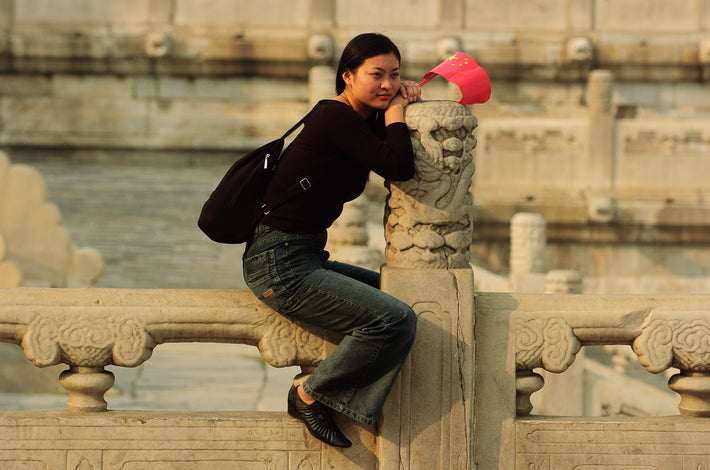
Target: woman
{"points": [[285, 264]]}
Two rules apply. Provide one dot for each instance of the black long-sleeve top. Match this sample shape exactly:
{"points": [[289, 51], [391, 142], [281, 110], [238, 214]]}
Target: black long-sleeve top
{"points": [[336, 150]]}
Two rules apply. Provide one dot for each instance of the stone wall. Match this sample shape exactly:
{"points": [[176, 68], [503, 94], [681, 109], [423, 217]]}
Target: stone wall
{"points": [[221, 74]]}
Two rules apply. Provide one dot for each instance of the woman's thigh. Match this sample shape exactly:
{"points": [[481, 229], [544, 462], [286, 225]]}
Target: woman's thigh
{"points": [[369, 277], [339, 303], [294, 278]]}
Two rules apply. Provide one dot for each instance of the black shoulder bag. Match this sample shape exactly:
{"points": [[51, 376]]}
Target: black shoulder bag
{"points": [[235, 206]]}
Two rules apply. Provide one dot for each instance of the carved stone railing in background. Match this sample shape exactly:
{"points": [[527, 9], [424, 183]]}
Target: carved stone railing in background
{"points": [[664, 332], [33, 238], [88, 329]]}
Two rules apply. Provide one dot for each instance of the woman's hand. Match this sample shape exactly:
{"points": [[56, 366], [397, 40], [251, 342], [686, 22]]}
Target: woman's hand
{"points": [[409, 91]]}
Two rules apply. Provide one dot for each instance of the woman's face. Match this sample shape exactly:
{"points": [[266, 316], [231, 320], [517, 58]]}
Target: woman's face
{"points": [[374, 83]]}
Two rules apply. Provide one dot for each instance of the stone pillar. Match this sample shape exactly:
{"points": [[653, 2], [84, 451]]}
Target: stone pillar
{"points": [[528, 240], [427, 422], [600, 157]]}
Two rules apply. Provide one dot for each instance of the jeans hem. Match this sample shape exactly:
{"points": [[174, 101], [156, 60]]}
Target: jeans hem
{"points": [[340, 408]]}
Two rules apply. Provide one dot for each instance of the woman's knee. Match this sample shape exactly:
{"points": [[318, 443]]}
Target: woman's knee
{"points": [[406, 327]]}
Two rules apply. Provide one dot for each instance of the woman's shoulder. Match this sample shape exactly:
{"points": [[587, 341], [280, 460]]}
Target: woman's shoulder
{"points": [[334, 109]]}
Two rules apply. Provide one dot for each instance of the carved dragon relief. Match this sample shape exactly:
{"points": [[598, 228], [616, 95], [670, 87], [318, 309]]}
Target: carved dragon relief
{"points": [[428, 221]]}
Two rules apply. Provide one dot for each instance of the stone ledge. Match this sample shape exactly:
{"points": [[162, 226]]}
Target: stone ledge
{"points": [[171, 440], [568, 443]]}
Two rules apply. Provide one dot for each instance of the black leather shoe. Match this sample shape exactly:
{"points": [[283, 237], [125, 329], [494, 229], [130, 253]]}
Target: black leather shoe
{"points": [[317, 419]]}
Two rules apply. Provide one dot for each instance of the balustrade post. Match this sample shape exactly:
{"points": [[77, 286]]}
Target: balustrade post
{"points": [[427, 422]]}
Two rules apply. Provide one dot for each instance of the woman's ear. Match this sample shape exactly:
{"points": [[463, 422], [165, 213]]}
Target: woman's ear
{"points": [[347, 76]]}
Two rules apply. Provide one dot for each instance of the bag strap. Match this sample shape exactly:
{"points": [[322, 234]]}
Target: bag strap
{"points": [[304, 184], [297, 125]]}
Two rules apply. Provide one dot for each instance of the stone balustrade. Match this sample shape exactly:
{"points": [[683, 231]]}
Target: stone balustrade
{"points": [[463, 395], [88, 329]]}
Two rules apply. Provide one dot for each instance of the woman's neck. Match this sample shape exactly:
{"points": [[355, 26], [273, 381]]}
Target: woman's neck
{"points": [[362, 110]]}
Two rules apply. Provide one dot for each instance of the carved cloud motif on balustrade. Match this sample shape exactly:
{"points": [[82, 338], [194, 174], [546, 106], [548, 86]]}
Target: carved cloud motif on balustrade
{"points": [[549, 343], [674, 343], [87, 340]]}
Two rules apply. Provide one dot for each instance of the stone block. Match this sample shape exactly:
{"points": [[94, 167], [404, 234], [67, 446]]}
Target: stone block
{"points": [[662, 154], [24, 85], [160, 11], [658, 16], [6, 7], [34, 119], [243, 90], [581, 15], [374, 14], [243, 13], [545, 15], [81, 11], [705, 14], [92, 87], [519, 153], [656, 443], [214, 124]]}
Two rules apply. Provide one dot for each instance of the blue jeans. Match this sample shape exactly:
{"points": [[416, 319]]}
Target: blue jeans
{"points": [[291, 274]]}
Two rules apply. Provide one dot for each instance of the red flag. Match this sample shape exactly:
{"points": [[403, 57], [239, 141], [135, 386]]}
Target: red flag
{"points": [[463, 71]]}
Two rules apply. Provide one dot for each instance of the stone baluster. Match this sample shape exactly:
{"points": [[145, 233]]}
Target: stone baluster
{"points": [[549, 343], [427, 420], [563, 394], [87, 343], [528, 240]]}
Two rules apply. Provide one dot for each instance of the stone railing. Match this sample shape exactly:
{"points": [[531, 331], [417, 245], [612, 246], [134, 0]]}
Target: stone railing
{"points": [[664, 333], [517, 333], [88, 329]]}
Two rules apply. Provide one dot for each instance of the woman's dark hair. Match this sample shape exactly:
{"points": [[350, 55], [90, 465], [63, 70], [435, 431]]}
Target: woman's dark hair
{"points": [[359, 49]]}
